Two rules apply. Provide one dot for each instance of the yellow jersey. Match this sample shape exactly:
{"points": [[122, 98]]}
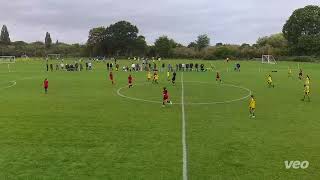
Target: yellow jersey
{"points": [[290, 71], [168, 74], [252, 103], [269, 79], [307, 89], [149, 75], [307, 83], [156, 77]]}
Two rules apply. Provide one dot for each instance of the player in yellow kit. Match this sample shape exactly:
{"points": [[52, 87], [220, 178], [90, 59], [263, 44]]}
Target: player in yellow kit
{"points": [[168, 75], [155, 78], [252, 106], [149, 75], [289, 72], [269, 81], [307, 82], [306, 92]]}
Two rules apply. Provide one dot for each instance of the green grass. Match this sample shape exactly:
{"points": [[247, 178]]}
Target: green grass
{"points": [[82, 129]]}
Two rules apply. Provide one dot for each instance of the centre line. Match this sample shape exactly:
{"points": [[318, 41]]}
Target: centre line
{"points": [[184, 141]]}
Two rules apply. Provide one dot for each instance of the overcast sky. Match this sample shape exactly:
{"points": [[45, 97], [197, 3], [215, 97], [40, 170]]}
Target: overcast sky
{"points": [[227, 21]]}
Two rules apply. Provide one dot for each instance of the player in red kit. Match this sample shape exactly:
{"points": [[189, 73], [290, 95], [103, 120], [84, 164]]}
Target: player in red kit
{"points": [[46, 85], [130, 81], [218, 78], [165, 97], [111, 77]]}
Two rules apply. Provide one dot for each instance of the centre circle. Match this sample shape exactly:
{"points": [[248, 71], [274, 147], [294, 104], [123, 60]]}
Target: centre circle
{"points": [[195, 93]]}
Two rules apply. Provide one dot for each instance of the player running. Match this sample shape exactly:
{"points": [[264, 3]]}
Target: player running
{"points": [[155, 78], [173, 80], [168, 75], [269, 81], [218, 78], [307, 82], [130, 79], [111, 77], [252, 107], [46, 85], [165, 97], [306, 93]]}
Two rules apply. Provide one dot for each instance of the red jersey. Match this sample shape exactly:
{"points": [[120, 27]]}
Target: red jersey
{"points": [[130, 79], [111, 76], [46, 84], [165, 94]]}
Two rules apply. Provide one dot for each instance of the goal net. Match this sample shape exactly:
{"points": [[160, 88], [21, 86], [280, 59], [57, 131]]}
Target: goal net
{"points": [[7, 59], [53, 56], [268, 59]]}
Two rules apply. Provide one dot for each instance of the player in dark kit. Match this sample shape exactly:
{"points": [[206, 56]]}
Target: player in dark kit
{"points": [[300, 74], [218, 78], [173, 80], [111, 77], [130, 81], [165, 97], [46, 85]]}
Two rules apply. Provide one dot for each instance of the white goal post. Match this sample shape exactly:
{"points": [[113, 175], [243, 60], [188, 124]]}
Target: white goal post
{"points": [[53, 56], [7, 59], [268, 59]]}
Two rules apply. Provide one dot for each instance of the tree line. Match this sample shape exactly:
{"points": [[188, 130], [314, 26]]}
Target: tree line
{"points": [[300, 36]]}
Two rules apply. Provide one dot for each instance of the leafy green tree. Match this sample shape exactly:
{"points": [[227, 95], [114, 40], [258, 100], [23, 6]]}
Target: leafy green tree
{"points": [[48, 40], [121, 37], [245, 45], [164, 46], [95, 42], [203, 41], [310, 45], [275, 40], [303, 26], [219, 44], [192, 45], [184, 52], [151, 51], [4, 37], [140, 47]]}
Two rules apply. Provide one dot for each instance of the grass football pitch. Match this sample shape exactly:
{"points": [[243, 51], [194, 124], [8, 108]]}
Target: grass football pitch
{"points": [[86, 128]]}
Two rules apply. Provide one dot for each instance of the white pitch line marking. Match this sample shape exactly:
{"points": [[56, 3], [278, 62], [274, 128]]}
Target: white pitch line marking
{"points": [[184, 141], [13, 83], [190, 103]]}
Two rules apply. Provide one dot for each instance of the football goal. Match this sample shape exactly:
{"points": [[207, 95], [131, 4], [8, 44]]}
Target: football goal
{"points": [[53, 56], [268, 59], [7, 59]]}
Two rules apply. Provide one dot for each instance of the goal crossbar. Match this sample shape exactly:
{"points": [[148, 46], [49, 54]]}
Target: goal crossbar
{"points": [[7, 59], [268, 59], [51, 56]]}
